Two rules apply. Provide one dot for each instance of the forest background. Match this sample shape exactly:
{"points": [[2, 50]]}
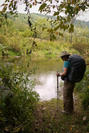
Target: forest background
{"points": [[18, 38]]}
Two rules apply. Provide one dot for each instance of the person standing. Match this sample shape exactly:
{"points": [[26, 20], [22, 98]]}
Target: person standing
{"points": [[68, 86]]}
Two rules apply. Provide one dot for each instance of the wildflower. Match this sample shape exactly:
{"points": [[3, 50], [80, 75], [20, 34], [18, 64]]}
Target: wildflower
{"points": [[70, 128]]}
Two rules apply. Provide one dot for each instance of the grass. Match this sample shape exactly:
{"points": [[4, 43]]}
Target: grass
{"points": [[50, 120], [51, 49], [42, 48], [11, 53]]}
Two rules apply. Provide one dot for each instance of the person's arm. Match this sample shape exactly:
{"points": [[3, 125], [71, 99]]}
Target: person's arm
{"points": [[64, 72], [66, 66]]}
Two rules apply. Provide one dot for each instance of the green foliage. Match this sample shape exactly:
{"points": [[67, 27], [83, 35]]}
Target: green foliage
{"points": [[27, 33], [17, 99], [79, 46], [11, 53], [42, 6], [69, 8], [85, 101], [83, 88], [3, 39], [17, 37]]}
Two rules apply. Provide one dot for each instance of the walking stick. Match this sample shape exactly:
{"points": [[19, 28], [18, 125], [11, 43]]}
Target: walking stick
{"points": [[57, 91]]}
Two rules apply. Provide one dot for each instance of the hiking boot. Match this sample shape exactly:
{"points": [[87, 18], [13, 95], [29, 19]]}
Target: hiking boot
{"points": [[64, 112]]}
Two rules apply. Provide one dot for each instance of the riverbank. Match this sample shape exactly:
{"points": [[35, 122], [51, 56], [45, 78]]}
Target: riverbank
{"points": [[50, 120], [41, 49]]}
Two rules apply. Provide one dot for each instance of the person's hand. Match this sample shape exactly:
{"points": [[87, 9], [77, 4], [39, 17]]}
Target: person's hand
{"points": [[58, 74]]}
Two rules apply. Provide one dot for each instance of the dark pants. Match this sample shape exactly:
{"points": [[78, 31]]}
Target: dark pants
{"points": [[68, 96]]}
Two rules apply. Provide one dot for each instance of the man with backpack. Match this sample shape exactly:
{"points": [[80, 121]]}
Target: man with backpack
{"points": [[74, 69]]}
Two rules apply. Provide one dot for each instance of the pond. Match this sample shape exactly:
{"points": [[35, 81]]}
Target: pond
{"points": [[45, 76]]}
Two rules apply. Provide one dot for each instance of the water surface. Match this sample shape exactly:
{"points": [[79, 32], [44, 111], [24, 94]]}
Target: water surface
{"points": [[45, 76]]}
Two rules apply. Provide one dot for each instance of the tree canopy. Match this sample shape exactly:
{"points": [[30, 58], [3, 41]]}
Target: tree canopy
{"points": [[64, 11]]}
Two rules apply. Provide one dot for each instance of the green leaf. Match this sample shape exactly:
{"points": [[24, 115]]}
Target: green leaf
{"points": [[56, 28], [66, 11], [4, 8], [57, 17], [42, 6], [83, 7], [56, 13], [54, 37], [30, 6], [60, 34]]}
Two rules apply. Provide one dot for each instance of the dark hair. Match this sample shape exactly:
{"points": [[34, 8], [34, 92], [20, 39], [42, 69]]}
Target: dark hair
{"points": [[66, 56]]}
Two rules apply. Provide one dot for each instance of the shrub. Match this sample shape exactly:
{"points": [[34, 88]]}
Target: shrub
{"points": [[79, 46], [85, 101], [3, 39], [17, 101], [83, 88]]}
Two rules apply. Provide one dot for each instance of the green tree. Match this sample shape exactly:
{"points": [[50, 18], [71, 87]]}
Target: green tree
{"points": [[42, 34], [69, 8]]}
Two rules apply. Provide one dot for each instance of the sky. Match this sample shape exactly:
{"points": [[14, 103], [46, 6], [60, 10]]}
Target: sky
{"points": [[84, 16]]}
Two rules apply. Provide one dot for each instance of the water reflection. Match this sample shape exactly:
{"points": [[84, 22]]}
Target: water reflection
{"points": [[45, 76], [46, 85]]}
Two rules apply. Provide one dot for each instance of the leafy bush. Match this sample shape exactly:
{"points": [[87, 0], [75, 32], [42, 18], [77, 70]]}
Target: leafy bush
{"points": [[83, 88], [3, 39], [85, 101], [27, 33], [79, 46], [17, 100]]}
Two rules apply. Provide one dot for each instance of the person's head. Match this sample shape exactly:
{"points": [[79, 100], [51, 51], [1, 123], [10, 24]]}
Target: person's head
{"points": [[64, 55]]}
